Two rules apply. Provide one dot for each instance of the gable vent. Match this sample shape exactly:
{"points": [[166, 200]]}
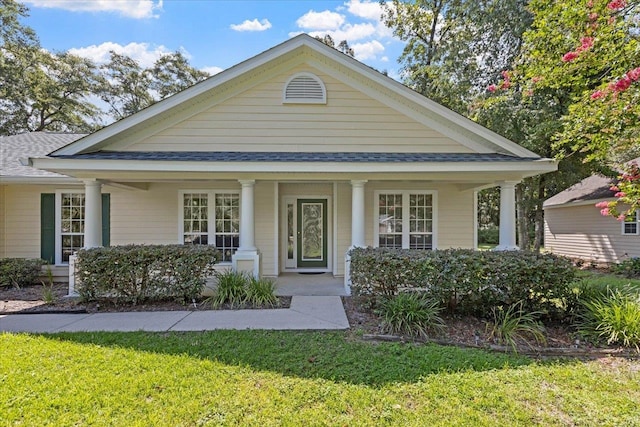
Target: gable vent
{"points": [[304, 88]]}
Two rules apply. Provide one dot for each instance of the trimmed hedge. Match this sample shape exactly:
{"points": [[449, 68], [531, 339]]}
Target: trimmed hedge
{"points": [[136, 273], [19, 272], [466, 281]]}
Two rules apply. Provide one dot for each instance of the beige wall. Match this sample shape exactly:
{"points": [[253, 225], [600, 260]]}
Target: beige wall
{"points": [[3, 213], [152, 216], [257, 120], [581, 232]]}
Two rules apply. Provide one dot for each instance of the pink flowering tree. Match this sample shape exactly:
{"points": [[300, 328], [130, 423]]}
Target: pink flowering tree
{"points": [[627, 193], [590, 53]]}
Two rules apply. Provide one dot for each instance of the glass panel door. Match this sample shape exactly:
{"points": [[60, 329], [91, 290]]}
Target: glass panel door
{"points": [[312, 233]]}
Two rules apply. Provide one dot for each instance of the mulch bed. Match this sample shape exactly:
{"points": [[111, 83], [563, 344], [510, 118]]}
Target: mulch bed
{"points": [[461, 331]]}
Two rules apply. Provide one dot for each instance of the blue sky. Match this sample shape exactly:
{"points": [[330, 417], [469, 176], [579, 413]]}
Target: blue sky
{"points": [[214, 34]]}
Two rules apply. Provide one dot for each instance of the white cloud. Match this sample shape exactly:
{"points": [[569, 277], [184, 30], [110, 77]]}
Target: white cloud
{"points": [[368, 50], [348, 32], [137, 9], [212, 70], [254, 25], [144, 53], [365, 9], [325, 20]]}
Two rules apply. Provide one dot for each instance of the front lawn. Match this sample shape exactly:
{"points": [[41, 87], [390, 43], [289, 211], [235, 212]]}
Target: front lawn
{"points": [[298, 378]]}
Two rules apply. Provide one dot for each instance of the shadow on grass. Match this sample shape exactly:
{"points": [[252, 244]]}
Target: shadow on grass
{"points": [[328, 355]]}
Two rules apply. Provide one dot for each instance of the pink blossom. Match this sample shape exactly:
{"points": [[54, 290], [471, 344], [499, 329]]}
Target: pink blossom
{"points": [[505, 75], [597, 95], [620, 194], [585, 43], [621, 217], [614, 188], [602, 205], [622, 84], [617, 4], [492, 88], [634, 74], [604, 212], [505, 84], [593, 16], [590, 4], [536, 79], [569, 56]]}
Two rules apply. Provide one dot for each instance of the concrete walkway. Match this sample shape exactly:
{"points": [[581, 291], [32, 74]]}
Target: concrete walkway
{"points": [[306, 312]]}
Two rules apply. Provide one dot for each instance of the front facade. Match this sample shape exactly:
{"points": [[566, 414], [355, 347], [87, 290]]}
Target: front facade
{"points": [[283, 162], [575, 228]]}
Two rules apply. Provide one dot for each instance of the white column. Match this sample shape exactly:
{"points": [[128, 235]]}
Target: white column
{"points": [[247, 258], [92, 214], [247, 220], [357, 213], [507, 216]]}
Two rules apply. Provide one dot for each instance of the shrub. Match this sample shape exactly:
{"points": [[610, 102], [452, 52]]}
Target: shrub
{"points": [[410, 314], [466, 281], [489, 236], [231, 288], [614, 318], [136, 273], [19, 272], [513, 325], [629, 268], [261, 292]]}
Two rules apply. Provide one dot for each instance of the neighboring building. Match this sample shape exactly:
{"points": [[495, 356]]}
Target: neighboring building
{"points": [[575, 228], [284, 162]]}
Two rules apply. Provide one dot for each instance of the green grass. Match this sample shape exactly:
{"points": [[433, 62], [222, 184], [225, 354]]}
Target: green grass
{"points": [[297, 378], [604, 280]]}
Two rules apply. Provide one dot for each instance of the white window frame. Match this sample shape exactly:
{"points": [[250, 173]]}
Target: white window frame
{"points": [[637, 224], [211, 212], [58, 219], [405, 215]]}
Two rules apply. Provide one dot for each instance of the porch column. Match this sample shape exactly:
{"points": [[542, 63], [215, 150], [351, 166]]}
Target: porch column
{"points": [[357, 213], [507, 216], [92, 214], [247, 258]]}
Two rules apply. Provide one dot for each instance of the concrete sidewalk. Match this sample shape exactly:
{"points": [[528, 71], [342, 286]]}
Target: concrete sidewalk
{"points": [[306, 312]]}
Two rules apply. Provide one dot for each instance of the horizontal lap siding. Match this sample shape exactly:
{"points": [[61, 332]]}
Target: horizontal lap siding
{"points": [[2, 226], [257, 120], [264, 225], [581, 232]]}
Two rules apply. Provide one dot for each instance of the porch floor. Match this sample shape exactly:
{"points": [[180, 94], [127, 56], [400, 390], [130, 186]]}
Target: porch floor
{"points": [[297, 284]]}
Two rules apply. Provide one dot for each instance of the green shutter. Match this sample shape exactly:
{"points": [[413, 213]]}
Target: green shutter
{"points": [[48, 227], [106, 220]]}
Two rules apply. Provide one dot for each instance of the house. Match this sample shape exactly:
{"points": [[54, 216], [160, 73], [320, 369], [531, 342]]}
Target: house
{"points": [[575, 228], [284, 162]]}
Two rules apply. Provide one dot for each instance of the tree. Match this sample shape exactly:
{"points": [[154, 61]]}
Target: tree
{"points": [[343, 46], [591, 52], [127, 87], [456, 48], [40, 90]]}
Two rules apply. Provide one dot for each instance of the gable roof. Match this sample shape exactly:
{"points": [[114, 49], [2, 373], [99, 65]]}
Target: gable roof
{"points": [[389, 91], [16, 148], [590, 189]]}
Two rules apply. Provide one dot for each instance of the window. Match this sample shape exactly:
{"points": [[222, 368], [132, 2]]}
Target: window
{"points": [[405, 219], [71, 224], [304, 88], [210, 218], [631, 226]]}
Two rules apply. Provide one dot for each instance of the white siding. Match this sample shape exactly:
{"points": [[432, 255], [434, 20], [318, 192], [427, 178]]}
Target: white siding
{"points": [[257, 120], [581, 232], [265, 232]]}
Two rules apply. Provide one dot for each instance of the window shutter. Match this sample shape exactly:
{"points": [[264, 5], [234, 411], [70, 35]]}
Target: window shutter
{"points": [[106, 219], [48, 227]]}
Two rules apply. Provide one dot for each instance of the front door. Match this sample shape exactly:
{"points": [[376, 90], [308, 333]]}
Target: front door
{"points": [[311, 233]]}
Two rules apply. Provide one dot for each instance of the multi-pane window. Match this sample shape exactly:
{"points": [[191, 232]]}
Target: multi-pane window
{"points": [[632, 225], [71, 224], [405, 220], [212, 219]]}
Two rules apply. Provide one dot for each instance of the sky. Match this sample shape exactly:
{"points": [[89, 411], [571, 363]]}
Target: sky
{"points": [[214, 34]]}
